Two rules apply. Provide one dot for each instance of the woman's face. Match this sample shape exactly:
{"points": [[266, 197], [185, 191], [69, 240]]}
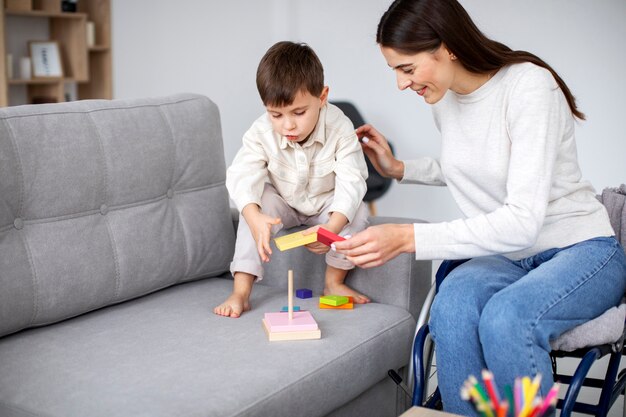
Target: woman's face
{"points": [[429, 74]]}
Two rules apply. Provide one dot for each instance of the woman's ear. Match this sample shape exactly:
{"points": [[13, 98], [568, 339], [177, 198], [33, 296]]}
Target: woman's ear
{"points": [[448, 52]]}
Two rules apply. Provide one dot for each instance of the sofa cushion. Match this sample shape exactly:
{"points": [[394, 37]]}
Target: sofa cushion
{"points": [[104, 201], [167, 354]]}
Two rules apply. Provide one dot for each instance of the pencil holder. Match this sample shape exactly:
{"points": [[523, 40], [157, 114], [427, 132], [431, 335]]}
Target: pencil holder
{"points": [[521, 400]]}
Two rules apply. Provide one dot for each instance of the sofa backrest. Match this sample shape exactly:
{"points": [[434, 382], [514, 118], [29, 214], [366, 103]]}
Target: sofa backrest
{"points": [[103, 201]]}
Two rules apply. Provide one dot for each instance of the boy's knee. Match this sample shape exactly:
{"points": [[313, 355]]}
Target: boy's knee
{"points": [[361, 219], [339, 261], [271, 205]]}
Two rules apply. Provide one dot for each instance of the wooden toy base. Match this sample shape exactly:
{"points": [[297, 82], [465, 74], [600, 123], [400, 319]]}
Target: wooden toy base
{"points": [[280, 322], [295, 325], [292, 335]]}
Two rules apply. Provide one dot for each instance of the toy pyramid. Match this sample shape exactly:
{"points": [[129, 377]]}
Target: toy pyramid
{"points": [[295, 325]]}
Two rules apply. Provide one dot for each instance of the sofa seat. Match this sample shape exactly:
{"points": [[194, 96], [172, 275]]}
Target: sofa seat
{"points": [[125, 359]]}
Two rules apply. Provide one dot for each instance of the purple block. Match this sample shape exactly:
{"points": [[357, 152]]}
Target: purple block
{"points": [[304, 293]]}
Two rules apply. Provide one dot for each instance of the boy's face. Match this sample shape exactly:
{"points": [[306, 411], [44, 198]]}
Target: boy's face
{"points": [[296, 121]]}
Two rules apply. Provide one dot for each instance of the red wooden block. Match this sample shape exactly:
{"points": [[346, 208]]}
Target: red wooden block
{"points": [[326, 237]]}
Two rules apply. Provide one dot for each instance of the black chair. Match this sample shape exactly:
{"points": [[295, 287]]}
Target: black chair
{"points": [[377, 185]]}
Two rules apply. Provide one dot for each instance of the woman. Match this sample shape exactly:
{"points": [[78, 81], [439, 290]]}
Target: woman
{"points": [[543, 259]]}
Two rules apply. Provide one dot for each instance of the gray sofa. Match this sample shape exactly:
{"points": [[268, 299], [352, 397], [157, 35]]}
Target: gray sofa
{"points": [[115, 241]]}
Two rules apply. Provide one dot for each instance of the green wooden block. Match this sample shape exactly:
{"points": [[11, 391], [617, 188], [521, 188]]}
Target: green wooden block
{"points": [[333, 300]]}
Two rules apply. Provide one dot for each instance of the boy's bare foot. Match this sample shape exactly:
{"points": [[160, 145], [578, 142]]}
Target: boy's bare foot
{"points": [[238, 301], [343, 289], [233, 307]]}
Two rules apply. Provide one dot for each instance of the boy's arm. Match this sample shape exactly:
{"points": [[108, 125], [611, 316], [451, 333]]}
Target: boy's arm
{"points": [[336, 222], [350, 175], [246, 176], [260, 225]]}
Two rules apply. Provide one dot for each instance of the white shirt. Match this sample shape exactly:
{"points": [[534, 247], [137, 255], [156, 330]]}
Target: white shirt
{"points": [[509, 158], [329, 165]]}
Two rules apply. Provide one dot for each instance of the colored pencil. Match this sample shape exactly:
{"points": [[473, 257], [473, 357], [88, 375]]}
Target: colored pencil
{"points": [[482, 403], [492, 390], [550, 400], [530, 390], [518, 394], [521, 400], [503, 409], [508, 392]]}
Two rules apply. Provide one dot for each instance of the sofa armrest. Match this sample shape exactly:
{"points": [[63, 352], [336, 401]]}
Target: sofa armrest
{"points": [[403, 281]]}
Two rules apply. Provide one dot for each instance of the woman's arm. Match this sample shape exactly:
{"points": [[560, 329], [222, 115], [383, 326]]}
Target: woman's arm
{"points": [[425, 170]]}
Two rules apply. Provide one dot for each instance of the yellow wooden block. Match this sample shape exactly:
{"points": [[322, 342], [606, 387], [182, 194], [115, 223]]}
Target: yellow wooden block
{"points": [[294, 240]]}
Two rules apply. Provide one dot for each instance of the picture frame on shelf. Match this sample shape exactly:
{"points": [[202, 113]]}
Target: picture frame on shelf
{"points": [[46, 59]]}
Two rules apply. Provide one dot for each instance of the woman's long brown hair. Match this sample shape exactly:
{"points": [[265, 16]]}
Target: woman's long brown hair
{"points": [[413, 26]]}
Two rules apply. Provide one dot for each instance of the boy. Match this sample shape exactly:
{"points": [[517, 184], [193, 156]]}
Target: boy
{"points": [[300, 164]]}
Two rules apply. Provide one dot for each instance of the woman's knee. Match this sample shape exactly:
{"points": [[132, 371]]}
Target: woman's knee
{"points": [[454, 309], [503, 318]]}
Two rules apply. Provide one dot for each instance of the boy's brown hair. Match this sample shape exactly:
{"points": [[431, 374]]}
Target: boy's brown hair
{"points": [[286, 69]]}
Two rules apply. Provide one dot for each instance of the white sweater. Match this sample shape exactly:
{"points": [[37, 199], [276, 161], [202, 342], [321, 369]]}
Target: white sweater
{"points": [[509, 158]]}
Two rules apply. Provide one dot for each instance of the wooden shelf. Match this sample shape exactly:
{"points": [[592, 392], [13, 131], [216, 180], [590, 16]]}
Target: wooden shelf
{"points": [[35, 81], [18, 81], [87, 67], [46, 14], [98, 48]]}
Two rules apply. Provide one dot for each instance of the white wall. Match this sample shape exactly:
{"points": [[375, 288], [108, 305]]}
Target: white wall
{"points": [[213, 47]]}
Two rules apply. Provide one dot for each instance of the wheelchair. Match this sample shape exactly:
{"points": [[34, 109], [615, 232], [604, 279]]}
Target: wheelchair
{"points": [[611, 387]]}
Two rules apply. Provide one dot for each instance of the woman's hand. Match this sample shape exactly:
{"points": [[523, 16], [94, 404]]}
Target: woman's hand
{"points": [[260, 225], [377, 149], [376, 245]]}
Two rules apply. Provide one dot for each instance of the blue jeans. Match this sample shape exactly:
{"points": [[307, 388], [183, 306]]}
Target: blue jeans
{"points": [[492, 312]]}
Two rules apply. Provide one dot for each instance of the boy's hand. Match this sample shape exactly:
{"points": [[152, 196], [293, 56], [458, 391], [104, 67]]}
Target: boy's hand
{"points": [[316, 247], [336, 223], [260, 225]]}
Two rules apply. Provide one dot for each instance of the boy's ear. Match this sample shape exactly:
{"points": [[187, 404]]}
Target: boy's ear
{"points": [[324, 95]]}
